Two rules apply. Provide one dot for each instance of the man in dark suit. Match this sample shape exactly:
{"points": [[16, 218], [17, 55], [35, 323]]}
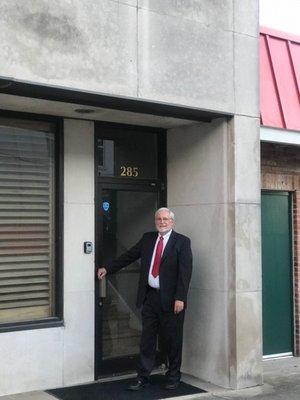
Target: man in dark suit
{"points": [[166, 268]]}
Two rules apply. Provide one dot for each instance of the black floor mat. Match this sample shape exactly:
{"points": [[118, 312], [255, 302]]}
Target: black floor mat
{"points": [[117, 390]]}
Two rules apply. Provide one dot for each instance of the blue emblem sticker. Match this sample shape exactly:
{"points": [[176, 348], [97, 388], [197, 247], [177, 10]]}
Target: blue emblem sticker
{"points": [[105, 205]]}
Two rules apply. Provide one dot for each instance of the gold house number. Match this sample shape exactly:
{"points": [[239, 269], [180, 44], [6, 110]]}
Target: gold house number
{"points": [[129, 171]]}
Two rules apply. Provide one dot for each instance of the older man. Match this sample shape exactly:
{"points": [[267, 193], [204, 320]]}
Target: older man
{"points": [[166, 268]]}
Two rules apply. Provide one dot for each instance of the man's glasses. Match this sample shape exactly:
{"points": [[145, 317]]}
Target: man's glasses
{"points": [[162, 219]]}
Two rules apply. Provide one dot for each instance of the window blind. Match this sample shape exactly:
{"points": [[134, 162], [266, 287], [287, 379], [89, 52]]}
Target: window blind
{"points": [[26, 224]]}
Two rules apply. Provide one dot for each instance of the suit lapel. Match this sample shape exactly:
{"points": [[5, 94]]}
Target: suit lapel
{"points": [[169, 246], [150, 249]]}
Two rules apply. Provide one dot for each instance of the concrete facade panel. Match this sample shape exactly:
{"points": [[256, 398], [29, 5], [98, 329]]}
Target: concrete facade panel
{"points": [[79, 204], [249, 339], [226, 242], [246, 85], [248, 247], [246, 17], [88, 45], [244, 251], [79, 161], [247, 159], [216, 13], [79, 337], [177, 52], [79, 269], [132, 3], [197, 158], [40, 362], [79, 276], [206, 226], [206, 350], [182, 61], [205, 353]]}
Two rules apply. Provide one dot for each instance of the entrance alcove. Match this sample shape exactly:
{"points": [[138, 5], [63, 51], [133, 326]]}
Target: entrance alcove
{"points": [[197, 171], [208, 189]]}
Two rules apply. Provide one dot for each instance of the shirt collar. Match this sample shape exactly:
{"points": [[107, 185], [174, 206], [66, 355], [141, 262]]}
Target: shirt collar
{"points": [[167, 235]]}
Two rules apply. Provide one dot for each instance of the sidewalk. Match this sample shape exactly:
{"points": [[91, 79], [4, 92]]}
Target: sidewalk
{"points": [[281, 382]]}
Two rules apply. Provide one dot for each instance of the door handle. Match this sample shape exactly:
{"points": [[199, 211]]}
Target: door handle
{"points": [[102, 288]]}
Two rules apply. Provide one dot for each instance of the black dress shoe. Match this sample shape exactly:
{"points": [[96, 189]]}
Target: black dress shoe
{"points": [[171, 385], [138, 384]]}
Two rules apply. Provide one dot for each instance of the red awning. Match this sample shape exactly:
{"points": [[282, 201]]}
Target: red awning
{"points": [[279, 79]]}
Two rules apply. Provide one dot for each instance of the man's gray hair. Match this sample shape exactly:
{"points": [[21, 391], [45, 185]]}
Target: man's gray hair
{"points": [[171, 214]]}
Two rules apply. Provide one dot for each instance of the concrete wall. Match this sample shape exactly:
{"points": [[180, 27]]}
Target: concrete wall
{"points": [[193, 52], [245, 247], [216, 203], [45, 358], [79, 272], [197, 53], [197, 192]]}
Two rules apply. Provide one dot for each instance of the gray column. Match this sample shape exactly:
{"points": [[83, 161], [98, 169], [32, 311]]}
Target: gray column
{"points": [[79, 271], [209, 167]]}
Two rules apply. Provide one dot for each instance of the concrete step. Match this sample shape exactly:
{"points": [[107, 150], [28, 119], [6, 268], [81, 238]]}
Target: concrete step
{"points": [[119, 347], [113, 315], [117, 325], [113, 332]]}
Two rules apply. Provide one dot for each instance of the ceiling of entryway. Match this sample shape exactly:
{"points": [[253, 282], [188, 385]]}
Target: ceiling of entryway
{"points": [[72, 103]]}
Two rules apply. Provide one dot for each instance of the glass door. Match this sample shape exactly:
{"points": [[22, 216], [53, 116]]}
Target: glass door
{"points": [[130, 171], [125, 212]]}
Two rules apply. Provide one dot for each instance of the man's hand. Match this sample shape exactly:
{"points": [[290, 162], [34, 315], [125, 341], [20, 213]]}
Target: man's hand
{"points": [[178, 306], [101, 273]]}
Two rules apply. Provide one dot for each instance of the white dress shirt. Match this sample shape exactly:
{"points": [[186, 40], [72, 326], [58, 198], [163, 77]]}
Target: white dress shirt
{"points": [[154, 282]]}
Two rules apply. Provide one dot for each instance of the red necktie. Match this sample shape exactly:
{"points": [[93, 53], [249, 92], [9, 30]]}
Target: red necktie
{"points": [[157, 258]]}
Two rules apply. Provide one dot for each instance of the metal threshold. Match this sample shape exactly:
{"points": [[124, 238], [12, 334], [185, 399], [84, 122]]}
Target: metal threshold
{"points": [[277, 356]]}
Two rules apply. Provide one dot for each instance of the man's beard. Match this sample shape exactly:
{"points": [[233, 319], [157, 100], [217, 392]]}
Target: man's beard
{"points": [[164, 230]]}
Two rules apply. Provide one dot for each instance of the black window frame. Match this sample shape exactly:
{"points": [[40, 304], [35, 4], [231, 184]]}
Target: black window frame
{"points": [[110, 128], [57, 320]]}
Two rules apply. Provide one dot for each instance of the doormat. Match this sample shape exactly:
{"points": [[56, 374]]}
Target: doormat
{"points": [[117, 390]]}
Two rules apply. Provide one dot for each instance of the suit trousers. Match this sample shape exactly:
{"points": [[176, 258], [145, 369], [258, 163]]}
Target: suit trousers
{"points": [[155, 320]]}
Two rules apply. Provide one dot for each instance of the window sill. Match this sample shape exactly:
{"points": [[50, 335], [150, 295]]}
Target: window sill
{"points": [[25, 326]]}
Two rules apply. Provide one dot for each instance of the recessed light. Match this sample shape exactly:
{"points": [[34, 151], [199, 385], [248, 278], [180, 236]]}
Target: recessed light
{"points": [[84, 111]]}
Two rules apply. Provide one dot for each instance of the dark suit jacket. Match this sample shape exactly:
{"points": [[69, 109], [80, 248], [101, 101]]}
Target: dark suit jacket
{"points": [[175, 268]]}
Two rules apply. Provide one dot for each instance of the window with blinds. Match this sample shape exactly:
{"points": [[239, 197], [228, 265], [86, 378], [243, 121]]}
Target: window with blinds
{"points": [[27, 205]]}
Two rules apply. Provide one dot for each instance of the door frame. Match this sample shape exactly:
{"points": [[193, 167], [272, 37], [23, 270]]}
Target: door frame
{"points": [[289, 194], [122, 183]]}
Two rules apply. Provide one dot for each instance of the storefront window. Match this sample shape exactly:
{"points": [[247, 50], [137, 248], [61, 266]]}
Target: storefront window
{"points": [[27, 221]]}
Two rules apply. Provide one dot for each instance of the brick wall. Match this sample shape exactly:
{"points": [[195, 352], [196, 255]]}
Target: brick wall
{"points": [[280, 170], [280, 167]]}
